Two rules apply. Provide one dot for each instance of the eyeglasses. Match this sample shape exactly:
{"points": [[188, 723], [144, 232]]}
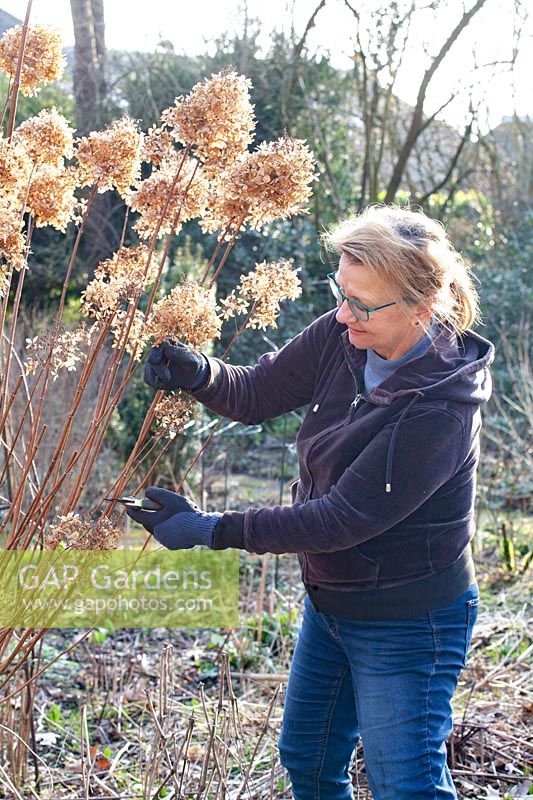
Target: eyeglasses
{"points": [[358, 309]]}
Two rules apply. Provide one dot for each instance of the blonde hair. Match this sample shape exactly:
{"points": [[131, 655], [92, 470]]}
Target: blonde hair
{"points": [[412, 253]]}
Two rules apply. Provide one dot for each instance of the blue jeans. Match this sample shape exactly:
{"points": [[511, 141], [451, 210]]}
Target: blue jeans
{"points": [[390, 683]]}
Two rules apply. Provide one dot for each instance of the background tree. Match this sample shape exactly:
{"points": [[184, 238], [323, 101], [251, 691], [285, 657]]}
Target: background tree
{"points": [[89, 64], [90, 92]]}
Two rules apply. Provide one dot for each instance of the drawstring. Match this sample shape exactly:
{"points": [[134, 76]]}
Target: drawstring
{"points": [[392, 443], [328, 383]]}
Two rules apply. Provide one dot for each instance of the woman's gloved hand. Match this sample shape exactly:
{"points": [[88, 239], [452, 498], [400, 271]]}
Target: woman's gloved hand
{"points": [[176, 366], [178, 524]]}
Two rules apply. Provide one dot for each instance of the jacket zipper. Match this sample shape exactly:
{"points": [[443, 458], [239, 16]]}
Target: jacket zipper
{"points": [[353, 407]]}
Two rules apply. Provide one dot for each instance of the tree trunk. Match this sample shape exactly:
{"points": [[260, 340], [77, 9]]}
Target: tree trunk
{"points": [[99, 240], [89, 63]]}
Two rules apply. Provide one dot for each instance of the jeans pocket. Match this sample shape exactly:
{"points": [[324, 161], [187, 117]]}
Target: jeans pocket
{"points": [[471, 617], [453, 625]]}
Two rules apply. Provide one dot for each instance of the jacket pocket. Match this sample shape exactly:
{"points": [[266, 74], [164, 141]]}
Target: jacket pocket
{"points": [[343, 569]]}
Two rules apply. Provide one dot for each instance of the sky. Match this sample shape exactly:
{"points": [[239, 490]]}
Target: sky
{"points": [[191, 26]]}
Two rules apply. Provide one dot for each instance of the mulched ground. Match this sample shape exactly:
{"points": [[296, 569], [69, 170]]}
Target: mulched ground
{"points": [[159, 713]]}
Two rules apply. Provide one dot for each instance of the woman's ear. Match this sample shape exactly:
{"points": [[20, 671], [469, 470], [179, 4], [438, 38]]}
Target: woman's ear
{"points": [[422, 316], [424, 312]]}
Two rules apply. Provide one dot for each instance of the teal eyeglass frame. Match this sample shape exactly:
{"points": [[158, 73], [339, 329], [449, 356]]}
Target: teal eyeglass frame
{"points": [[358, 309]]}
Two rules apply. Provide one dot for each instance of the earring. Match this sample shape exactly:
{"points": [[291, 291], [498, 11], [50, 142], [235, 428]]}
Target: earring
{"points": [[416, 322]]}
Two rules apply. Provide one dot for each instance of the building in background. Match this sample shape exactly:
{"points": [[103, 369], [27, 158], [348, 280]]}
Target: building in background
{"points": [[7, 21]]}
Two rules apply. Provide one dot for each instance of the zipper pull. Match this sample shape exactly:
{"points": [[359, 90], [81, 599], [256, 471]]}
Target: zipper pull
{"points": [[354, 404]]}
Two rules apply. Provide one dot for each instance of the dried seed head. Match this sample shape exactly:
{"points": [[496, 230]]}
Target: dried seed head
{"points": [[263, 289], [80, 532], [130, 263], [43, 60], [270, 183], [118, 280], [51, 199], [158, 146], [111, 159], [65, 351], [103, 298], [46, 138], [188, 196], [4, 280], [12, 239], [188, 313], [216, 118], [15, 169], [133, 340], [172, 413]]}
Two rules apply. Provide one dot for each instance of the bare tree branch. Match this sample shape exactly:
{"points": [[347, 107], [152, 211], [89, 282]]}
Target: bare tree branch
{"points": [[416, 119], [453, 163], [296, 54]]}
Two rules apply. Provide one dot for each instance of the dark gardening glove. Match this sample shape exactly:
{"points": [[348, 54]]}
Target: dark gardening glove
{"points": [[178, 524], [176, 366]]}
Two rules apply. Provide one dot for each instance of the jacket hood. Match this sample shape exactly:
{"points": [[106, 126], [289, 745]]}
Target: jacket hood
{"points": [[453, 368]]}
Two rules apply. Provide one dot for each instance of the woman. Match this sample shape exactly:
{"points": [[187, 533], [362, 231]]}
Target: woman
{"points": [[382, 514]]}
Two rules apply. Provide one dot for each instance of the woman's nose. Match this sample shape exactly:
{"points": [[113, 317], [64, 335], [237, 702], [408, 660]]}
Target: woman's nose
{"points": [[343, 313]]}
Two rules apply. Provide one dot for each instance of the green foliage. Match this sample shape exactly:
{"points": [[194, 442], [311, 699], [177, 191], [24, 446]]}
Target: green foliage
{"points": [[50, 95], [508, 551], [54, 714], [186, 260], [99, 636], [246, 652], [127, 418], [275, 628], [506, 291]]}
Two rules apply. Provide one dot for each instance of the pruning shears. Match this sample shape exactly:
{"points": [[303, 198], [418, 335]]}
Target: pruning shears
{"points": [[136, 502]]}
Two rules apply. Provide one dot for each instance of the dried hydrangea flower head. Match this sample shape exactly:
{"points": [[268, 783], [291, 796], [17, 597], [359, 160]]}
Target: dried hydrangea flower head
{"points": [[51, 199], [188, 193], [15, 169], [47, 138], [118, 280], [65, 351], [43, 60], [271, 183], [216, 118], [263, 289], [158, 146], [80, 532], [111, 159], [188, 313], [12, 239], [4, 279], [132, 337], [172, 413]]}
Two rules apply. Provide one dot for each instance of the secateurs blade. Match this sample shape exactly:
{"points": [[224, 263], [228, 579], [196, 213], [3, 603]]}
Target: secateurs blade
{"points": [[136, 502]]}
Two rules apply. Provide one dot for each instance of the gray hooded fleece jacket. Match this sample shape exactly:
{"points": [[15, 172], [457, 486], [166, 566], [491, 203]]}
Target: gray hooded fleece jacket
{"points": [[382, 513]]}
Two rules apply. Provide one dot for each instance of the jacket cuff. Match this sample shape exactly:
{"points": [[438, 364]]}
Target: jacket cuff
{"points": [[229, 531], [209, 389]]}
